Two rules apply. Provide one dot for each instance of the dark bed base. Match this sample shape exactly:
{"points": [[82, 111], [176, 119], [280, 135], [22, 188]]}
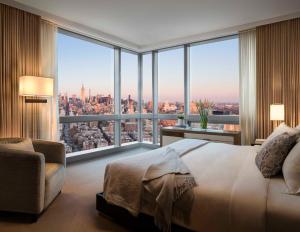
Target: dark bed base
{"points": [[141, 223]]}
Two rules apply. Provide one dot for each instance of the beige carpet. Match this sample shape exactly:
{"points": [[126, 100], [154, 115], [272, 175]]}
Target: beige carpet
{"points": [[74, 209]]}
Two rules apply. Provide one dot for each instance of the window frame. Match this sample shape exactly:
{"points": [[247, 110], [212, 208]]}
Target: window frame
{"points": [[117, 116]]}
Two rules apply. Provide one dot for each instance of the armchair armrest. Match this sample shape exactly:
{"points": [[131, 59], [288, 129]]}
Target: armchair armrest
{"points": [[22, 178], [54, 152]]}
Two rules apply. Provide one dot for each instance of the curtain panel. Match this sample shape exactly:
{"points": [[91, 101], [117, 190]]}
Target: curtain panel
{"points": [[247, 43], [49, 125], [20, 55], [278, 73]]}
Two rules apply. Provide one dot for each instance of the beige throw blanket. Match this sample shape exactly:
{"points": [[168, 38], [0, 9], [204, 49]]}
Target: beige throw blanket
{"points": [[123, 180], [166, 181]]}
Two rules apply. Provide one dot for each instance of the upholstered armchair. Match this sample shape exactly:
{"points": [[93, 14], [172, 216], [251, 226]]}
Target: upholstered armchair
{"points": [[30, 181]]}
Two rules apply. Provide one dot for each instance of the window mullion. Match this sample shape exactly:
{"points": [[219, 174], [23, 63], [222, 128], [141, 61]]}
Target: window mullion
{"points": [[155, 94], [186, 80], [140, 96], [117, 97]]}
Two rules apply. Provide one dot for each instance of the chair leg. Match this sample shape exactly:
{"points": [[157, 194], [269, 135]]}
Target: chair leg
{"points": [[34, 218]]}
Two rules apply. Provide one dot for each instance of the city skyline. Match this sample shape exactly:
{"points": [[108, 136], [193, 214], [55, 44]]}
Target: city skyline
{"points": [[82, 62]]}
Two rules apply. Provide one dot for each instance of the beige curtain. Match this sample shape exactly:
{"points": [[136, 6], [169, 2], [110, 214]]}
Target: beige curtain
{"points": [[247, 42], [278, 73], [20, 55], [49, 111]]}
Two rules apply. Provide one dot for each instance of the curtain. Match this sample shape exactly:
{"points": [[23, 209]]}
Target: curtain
{"points": [[49, 125], [247, 41], [278, 73], [20, 55]]}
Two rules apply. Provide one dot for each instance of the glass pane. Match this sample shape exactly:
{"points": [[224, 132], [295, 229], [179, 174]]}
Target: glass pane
{"points": [[85, 77], [147, 130], [227, 127], [129, 130], [214, 75], [171, 81], [164, 123], [87, 135], [147, 84], [129, 82]]}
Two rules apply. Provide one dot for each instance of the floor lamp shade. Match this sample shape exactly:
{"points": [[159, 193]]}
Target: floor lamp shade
{"points": [[36, 86], [277, 112]]}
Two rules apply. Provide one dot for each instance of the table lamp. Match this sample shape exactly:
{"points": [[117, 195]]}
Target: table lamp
{"points": [[276, 113]]}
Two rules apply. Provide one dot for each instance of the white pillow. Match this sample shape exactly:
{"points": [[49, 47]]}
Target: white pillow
{"points": [[282, 128], [298, 128], [24, 145], [291, 170]]}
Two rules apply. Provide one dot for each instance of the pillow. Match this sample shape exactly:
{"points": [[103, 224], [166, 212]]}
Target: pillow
{"points": [[282, 128], [298, 128], [18, 144], [291, 170], [272, 154]]}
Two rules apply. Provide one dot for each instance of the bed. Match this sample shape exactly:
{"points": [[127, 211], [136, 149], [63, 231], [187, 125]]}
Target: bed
{"points": [[231, 193]]}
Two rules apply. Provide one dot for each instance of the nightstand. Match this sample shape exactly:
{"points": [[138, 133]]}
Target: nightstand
{"points": [[258, 142]]}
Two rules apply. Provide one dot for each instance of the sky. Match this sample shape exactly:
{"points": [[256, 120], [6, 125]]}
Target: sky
{"points": [[214, 71]]}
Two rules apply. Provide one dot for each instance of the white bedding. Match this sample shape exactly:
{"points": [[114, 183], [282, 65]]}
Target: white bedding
{"points": [[231, 195]]}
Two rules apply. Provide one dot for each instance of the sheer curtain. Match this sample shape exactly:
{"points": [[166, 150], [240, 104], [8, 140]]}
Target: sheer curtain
{"points": [[48, 65], [247, 41]]}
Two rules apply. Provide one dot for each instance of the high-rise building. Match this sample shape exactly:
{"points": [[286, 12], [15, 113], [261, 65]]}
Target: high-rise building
{"points": [[82, 93]]}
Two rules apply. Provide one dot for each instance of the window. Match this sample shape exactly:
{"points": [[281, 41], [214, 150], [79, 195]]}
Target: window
{"points": [[129, 130], [171, 81], [147, 104], [85, 77], [214, 75], [147, 130], [86, 87], [129, 82], [86, 70], [87, 135]]}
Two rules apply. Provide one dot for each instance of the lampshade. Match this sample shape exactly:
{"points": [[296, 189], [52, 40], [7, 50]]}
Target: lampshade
{"points": [[36, 86], [277, 112]]}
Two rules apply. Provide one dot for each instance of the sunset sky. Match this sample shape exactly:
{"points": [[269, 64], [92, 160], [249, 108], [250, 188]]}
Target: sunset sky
{"points": [[214, 71]]}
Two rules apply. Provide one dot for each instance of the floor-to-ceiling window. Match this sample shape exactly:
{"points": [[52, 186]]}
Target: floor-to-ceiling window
{"points": [[129, 96], [214, 76], [86, 90], [170, 79], [129, 82], [109, 96]]}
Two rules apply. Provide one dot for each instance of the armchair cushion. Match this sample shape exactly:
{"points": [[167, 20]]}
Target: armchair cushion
{"points": [[17, 144], [54, 152], [55, 176]]}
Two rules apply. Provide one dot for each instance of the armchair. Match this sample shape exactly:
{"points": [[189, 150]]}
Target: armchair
{"points": [[30, 181]]}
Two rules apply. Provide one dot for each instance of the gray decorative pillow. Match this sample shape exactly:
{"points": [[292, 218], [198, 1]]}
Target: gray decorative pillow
{"points": [[17, 144], [271, 156]]}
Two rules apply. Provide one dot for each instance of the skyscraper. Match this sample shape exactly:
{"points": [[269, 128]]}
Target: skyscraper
{"points": [[82, 93]]}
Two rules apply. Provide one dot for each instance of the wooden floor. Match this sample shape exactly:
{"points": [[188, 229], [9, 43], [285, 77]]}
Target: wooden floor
{"points": [[74, 210]]}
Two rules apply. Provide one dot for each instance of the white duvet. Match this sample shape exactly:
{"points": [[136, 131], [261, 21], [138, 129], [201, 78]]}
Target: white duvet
{"points": [[231, 193]]}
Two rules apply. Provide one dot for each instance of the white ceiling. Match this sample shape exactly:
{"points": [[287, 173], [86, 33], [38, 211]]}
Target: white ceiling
{"points": [[147, 24]]}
